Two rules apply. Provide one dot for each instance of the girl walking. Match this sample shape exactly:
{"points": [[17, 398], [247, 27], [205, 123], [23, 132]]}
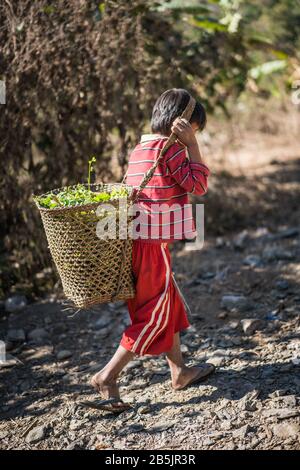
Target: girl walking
{"points": [[157, 311]]}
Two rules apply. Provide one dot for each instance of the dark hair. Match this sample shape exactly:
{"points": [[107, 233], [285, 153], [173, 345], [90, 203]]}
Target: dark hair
{"points": [[169, 106]]}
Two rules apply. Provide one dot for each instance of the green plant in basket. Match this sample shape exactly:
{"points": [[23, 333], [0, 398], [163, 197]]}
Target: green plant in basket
{"points": [[79, 194]]}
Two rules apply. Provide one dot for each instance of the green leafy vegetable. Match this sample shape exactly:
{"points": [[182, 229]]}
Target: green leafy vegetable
{"points": [[78, 195]]}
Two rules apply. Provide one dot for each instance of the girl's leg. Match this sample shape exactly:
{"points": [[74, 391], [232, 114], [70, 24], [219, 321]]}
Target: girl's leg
{"points": [[105, 380], [181, 374]]}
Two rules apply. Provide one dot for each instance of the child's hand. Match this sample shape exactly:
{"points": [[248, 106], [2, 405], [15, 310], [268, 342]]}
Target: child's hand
{"points": [[184, 131]]}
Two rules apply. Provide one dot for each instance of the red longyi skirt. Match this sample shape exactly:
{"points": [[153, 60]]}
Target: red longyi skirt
{"points": [[157, 311]]}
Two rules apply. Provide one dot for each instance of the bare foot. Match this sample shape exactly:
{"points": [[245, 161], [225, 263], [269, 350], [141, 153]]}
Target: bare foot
{"points": [[108, 388], [190, 375]]}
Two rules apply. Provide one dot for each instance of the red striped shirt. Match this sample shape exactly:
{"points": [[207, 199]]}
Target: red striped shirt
{"points": [[166, 214]]}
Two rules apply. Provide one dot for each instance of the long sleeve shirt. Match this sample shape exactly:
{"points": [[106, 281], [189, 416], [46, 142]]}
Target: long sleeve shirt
{"points": [[165, 212]]}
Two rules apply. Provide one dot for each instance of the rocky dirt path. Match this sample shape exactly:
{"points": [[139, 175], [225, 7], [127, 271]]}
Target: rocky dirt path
{"points": [[244, 293]]}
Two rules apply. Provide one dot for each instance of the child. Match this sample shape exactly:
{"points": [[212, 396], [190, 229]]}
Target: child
{"points": [[157, 312]]}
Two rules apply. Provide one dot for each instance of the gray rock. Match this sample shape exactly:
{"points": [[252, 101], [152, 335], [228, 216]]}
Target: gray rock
{"points": [[221, 276], [144, 410], [282, 284], [249, 405], [295, 361], [239, 302], [38, 334], [207, 442], [133, 365], [15, 303], [286, 430], [193, 282], [287, 367], [76, 445], [217, 361], [261, 233], [116, 305], [280, 413], [250, 325], [36, 434], [287, 233], [272, 315], [218, 357], [25, 385], [226, 425], [220, 242], [162, 426], [230, 446], [289, 401], [278, 393], [16, 335], [163, 371], [294, 345], [60, 372], [76, 424], [236, 341], [64, 354], [102, 323], [249, 401], [68, 378], [253, 261], [273, 326], [136, 427], [208, 275], [242, 432], [222, 315], [137, 384], [278, 294], [276, 253], [103, 332], [240, 240]]}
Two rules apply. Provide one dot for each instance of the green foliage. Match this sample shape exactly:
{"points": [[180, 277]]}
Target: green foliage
{"points": [[267, 68], [77, 196]]}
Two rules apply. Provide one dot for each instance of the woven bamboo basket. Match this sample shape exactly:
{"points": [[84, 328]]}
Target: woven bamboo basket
{"points": [[94, 270]]}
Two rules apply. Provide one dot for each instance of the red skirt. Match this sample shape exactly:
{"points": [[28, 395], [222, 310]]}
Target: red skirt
{"points": [[157, 311]]}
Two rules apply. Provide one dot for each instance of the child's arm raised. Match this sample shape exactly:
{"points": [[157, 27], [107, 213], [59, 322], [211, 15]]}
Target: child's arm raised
{"points": [[185, 133], [185, 162]]}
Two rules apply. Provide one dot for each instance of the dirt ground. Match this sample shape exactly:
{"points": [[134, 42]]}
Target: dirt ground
{"points": [[244, 293]]}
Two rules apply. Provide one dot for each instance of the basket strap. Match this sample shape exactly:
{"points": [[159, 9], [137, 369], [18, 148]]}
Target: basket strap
{"points": [[124, 177], [187, 113], [181, 294]]}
